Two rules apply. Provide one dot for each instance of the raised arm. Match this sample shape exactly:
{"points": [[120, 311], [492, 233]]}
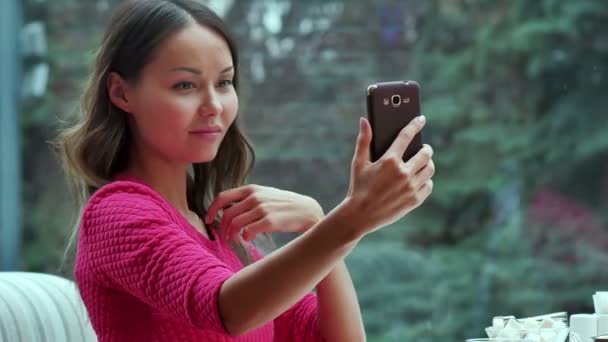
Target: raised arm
{"points": [[379, 194], [263, 290]]}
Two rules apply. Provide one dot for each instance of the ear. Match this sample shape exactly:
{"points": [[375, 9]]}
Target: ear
{"points": [[118, 91]]}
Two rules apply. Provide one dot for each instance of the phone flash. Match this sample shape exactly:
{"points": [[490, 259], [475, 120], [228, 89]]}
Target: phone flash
{"points": [[386, 101], [406, 100]]}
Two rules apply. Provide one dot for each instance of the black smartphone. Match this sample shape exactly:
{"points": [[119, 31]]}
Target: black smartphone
{"points": [[390, 107]]}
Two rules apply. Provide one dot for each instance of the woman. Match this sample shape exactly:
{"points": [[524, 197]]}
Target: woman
{"points": [[159, 156]]}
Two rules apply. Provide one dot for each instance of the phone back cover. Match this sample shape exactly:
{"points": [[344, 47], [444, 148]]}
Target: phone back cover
{"points": [[387, 120]]}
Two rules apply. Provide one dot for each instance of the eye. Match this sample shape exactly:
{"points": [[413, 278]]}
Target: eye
{"points": [[184, 86], [225, 83]]}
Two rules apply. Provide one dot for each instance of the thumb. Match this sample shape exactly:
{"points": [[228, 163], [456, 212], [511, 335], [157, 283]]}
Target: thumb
{"points": [[362, 150]]}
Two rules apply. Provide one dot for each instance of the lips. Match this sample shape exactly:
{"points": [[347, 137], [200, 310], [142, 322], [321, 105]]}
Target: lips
{"points": [[210, 134], [207, 130]]}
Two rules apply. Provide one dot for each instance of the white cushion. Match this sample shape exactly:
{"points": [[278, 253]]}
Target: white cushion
{"points": [[41, 307]]}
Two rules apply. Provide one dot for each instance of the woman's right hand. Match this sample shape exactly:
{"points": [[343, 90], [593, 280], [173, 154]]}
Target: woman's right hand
{"points": [[382, 192]]}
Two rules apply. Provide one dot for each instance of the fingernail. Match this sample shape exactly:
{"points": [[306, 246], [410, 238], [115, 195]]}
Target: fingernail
{"points": [[422, 118], [361, 123]]}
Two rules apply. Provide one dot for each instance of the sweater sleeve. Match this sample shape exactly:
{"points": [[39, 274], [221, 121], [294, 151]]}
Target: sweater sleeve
{"points": [[133, 245], [298, 323]]}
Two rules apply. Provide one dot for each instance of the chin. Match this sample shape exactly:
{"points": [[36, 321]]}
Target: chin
{"points": [[205, 158]]}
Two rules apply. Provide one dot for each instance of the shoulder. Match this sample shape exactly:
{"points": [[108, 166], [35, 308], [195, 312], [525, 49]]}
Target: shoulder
{"points": [[125, 200]]}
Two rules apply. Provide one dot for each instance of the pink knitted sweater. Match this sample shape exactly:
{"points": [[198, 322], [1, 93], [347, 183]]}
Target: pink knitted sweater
{"points": [[146, 274]]}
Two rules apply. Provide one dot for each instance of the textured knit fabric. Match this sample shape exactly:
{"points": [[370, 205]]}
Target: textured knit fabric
{"points": [[146, 274]]}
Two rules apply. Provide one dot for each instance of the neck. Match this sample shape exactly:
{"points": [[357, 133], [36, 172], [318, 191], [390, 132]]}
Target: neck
{"points": [[168, 179]]}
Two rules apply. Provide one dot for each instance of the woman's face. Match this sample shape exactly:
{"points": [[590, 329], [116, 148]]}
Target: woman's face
{"points": [[184, 101]]}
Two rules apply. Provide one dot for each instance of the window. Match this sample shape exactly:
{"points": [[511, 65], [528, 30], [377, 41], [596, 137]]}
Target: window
{"points": [[515, 96]]}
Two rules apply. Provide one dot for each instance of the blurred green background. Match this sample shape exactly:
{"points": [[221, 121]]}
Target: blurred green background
{"points": [[516, 96]]}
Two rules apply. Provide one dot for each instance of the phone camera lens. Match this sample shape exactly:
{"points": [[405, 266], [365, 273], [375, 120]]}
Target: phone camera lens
{"points": [[396, 99]]}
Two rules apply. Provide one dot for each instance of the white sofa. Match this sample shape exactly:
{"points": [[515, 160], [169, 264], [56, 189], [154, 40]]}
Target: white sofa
{"points": [[41, 307]]}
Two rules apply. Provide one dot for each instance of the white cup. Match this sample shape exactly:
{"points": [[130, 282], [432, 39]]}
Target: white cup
{"points": [[602, 324], [584, 325]]}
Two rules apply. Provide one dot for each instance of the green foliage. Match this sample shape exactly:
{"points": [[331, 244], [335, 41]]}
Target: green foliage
{"points": [[512, 92]]}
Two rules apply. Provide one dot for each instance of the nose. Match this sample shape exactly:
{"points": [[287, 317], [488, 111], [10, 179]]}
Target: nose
{"points": [[210, 104]]}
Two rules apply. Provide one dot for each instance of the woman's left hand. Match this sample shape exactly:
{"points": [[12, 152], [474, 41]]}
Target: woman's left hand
{"points": [[255, 209]]}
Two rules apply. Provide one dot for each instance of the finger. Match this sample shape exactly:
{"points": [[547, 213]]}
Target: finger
{"points": [[226, 198], [424, 175], [243, 220], [420, 159], [426, 190], [362, 149], [248, 235], [406, 136], [255, 228], [236, 210]]}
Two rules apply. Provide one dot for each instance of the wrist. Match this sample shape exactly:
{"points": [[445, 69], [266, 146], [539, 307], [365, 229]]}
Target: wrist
{"points": [[315, 214], [347, 215]]}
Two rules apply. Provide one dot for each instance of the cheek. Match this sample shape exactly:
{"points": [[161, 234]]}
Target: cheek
{"points": [[162, 110], [162, 118], [230, 109]]}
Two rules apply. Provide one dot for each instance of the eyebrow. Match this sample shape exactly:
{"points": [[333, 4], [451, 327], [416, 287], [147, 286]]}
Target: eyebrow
{"points": [[197, 71]]}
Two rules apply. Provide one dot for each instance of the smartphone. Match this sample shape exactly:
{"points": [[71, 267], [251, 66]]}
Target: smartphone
{"points": [[390, 107]]}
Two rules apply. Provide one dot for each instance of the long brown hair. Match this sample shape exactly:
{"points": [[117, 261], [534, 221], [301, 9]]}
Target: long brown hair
{"points": [[96, 148]]}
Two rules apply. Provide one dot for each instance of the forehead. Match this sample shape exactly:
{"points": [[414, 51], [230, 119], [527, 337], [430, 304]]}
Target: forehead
{"points": [[195, 46]]}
